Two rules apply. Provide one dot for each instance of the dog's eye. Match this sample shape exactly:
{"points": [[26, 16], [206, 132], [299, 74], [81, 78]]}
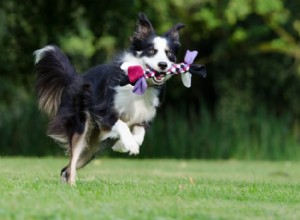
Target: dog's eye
{"points": [[152, 51], [169, 53]]}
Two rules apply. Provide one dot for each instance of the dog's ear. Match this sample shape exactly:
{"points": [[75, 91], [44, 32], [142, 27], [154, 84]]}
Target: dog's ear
{"points": [[143, 29], [173, 33]]}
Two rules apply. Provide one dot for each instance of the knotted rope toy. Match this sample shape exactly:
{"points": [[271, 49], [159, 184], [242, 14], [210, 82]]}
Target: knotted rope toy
{"points": [[137, 75]]}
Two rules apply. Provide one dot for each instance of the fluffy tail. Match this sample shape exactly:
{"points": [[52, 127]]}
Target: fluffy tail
{"points": [[54, 74]]}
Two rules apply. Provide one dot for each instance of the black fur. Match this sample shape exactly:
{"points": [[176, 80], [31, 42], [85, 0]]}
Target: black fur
{"points": [[54, 74], [73, 100], [93, 92], [144, 34]]}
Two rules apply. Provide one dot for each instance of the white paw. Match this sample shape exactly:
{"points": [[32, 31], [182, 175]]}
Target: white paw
{"points": [[135, 150], [131, 146], [119, 147], [126, 138]]}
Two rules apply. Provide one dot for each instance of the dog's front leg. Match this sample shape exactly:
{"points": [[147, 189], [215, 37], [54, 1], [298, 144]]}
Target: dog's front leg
{"points": [[138, 132], [126, 138]]}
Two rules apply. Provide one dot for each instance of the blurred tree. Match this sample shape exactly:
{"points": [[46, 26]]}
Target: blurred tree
{"points": [[251, 49]]}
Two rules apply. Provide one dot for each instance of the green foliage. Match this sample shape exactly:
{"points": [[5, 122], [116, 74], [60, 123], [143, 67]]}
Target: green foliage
{"points": [[150, 189], [250, 48], [230, 135]]}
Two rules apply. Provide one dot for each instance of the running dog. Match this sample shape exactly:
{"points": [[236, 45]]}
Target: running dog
{"points": [[90, 111]]}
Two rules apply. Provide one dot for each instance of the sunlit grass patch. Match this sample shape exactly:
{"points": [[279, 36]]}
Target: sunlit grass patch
{"points": [[150, 189]]}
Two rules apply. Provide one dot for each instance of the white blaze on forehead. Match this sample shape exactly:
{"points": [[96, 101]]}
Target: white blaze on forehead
{"points": [[160, 43]]}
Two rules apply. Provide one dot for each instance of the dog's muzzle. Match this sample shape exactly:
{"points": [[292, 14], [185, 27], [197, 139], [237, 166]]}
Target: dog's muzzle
{"points": [[159, 78]]}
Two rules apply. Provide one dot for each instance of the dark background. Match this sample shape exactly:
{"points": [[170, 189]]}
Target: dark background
{"points": [[247, 108]]}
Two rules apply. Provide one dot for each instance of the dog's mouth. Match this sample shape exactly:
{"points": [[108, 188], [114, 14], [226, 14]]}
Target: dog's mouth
{"points": [[159, 77]]}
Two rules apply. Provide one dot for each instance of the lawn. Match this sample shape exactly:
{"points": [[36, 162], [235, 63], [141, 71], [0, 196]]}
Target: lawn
{"points": [[150, 189]]}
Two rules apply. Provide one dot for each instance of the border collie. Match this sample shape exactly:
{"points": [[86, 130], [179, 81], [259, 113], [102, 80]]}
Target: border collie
{"points": [[91, 111]]}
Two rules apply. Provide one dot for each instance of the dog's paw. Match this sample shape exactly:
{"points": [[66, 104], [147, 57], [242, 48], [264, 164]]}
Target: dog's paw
{"points": [[126, 138], [119, 147], [131, 146], [134, 150], [64, 176]]}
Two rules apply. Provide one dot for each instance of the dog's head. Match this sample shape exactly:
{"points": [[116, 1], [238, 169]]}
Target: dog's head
{"points": [[155, 52]]}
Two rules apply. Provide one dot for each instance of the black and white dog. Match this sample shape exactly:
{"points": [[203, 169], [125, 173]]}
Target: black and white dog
{"points": [[92, 110]]}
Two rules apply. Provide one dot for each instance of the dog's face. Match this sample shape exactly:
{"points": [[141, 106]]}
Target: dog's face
{"points": [[156, 52]]}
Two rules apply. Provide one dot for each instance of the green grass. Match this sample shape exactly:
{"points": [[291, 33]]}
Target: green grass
{"points": [[150, 189]]}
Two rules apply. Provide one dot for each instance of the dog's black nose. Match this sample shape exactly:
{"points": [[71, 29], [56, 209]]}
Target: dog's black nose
{"points": [[162, 65]]}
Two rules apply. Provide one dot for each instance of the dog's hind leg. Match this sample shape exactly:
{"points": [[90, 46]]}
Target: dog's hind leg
{"points": [[91, 150], [77, 146]]}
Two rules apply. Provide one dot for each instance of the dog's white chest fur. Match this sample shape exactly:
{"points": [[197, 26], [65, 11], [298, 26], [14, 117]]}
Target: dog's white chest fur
{"points": [[133, 108]]}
